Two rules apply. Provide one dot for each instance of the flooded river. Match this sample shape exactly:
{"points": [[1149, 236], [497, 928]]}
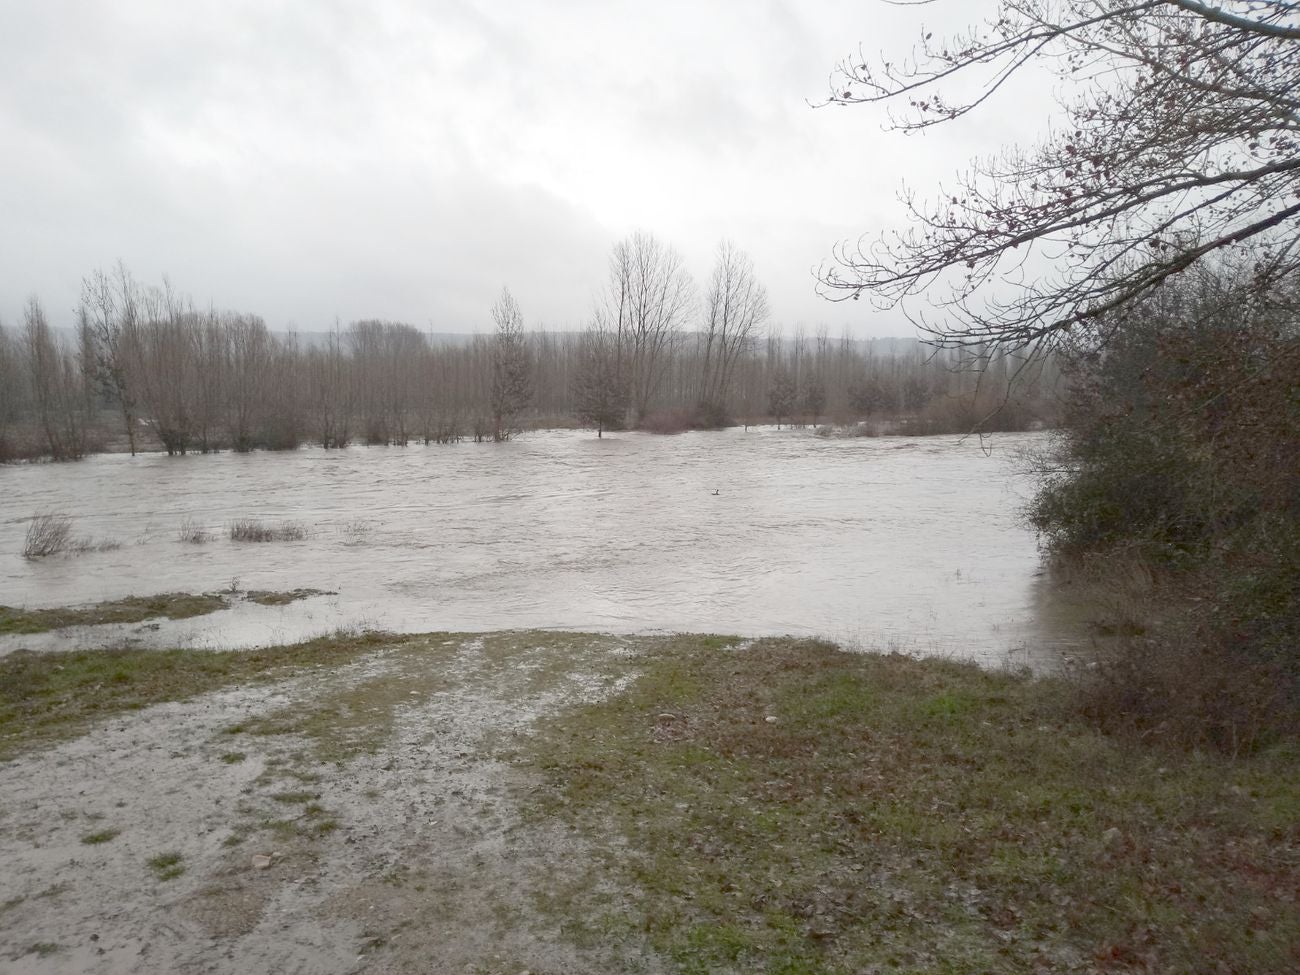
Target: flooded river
{"points": [[914, 544]]}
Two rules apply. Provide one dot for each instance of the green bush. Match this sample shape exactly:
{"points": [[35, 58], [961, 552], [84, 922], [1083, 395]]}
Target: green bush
{"points": [[1180, 450]]}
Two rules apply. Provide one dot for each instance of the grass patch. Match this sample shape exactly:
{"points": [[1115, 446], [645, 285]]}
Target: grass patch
{"points": [[909, 816], [266, 598], [252, 530], [295, 798], [103, 836], [167, 866], [49, 697], [324, 827], [43, 948], [358, 718], [233, 758], [132, 609]]}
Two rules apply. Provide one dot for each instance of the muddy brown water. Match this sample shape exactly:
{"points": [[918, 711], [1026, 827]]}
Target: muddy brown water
{"points": [[913, 544]]}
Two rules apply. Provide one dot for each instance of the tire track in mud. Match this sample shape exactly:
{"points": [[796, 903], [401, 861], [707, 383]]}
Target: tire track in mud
{"points": [[361, 820]]}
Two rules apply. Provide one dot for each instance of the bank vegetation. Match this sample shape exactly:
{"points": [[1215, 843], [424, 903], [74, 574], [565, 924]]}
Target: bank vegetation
{"points": [[141, 367]]}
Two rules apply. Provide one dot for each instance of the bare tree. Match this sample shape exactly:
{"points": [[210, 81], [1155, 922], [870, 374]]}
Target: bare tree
{"points": [[329, 392], [736, 306], [209, 340], [649, 299], [56, 386], [1179, 141], [387, 358], [512, 387], [249, 349], [110, 309], [281, 424], [13, 392], [166, 373]]}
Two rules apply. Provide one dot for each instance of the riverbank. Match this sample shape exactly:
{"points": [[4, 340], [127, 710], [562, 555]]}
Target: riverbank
{"points": [[566, 802]]}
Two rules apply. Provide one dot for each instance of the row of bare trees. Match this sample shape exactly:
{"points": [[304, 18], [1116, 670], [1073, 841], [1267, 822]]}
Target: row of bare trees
{"points": [[144, 366]]}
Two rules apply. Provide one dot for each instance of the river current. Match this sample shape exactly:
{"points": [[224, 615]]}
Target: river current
{"points": [[915, 544]]}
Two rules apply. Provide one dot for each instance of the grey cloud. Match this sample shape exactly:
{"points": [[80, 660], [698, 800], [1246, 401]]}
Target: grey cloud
{"points": [[405, 159]]}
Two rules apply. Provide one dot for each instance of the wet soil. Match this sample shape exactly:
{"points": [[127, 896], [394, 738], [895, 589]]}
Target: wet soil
{"points": [[364, 819]]}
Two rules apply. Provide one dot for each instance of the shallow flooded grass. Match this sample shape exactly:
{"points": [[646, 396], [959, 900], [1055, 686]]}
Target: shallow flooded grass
{"points": [[269, 598], [103, 836], [167, 866], [787, 807], [132, 609], [769, 805], [47, 697]]}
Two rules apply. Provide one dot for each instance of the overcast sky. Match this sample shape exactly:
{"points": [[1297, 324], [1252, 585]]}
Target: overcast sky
{"points": [[403, 159]]}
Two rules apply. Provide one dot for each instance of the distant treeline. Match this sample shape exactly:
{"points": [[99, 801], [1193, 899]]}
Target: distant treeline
{"points": [[147, 369]]}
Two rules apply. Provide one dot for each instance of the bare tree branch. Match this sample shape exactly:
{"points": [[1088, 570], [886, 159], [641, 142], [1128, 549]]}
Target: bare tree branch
{"points": [[1180, 139]]}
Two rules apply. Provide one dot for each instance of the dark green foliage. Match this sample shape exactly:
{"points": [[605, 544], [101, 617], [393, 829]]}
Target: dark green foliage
{"points": [[1181, 452], [781, 395], [600, 391]]}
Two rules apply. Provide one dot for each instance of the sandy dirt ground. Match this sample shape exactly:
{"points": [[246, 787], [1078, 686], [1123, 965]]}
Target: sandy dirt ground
{"points": [[364, 820]]}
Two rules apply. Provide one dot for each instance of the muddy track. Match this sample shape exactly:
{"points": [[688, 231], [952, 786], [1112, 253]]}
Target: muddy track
{"points": [[363, 820]]}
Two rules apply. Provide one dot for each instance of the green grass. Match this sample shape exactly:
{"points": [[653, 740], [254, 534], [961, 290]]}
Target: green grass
{"points": [[904, 816], [132, 609], [49, 697], [103, 836], [295, 798], [269, 598], [791, 808], [233, 758], [167, 866]]}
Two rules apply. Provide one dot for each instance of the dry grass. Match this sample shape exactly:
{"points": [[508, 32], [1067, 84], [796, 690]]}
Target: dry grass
{"points": [[252, 530]]}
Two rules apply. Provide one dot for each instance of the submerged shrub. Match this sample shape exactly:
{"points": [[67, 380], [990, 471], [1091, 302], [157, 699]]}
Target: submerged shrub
{"points": [[193, 533], [47, 534], [51, 534], [252, 530]]}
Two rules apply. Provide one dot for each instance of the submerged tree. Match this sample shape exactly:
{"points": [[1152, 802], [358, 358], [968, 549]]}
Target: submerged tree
{"points": [[110, 315], [13, 391], [1179, 142], [736, 306], [782, 395], [600, 393], [57, 391], [649, 300], [512, 387]]}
